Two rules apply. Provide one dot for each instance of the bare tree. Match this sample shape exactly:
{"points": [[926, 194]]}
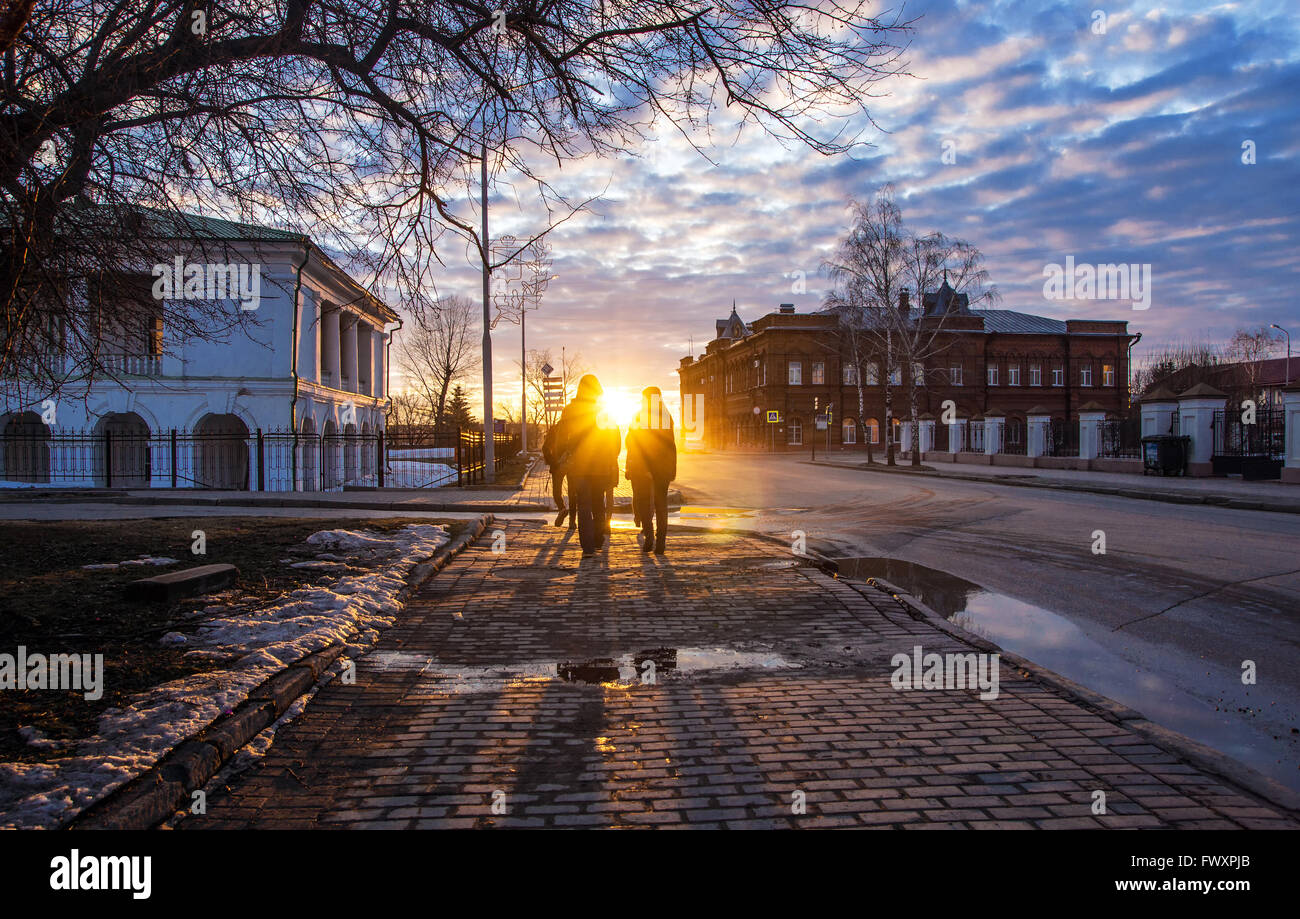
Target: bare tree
{"points": [[876, 265], [355, 123], [1187, 362], [571, 370], [1248, 348], [439, 350]]}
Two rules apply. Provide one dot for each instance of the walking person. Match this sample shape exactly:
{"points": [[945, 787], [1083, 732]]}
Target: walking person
{"points": [[583, 450], [651, 466], [552, 460]]}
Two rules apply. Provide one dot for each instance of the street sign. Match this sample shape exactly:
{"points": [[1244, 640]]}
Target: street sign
{"points": [[823, 422], [773, 417], [546, 370]]}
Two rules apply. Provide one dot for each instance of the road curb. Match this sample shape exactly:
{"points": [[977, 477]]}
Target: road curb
{"points": [[156, 794], [1123, 490], [1203, 757]]}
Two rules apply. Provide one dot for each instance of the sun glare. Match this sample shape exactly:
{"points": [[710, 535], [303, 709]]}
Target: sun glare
{"points": [[621, 405]]}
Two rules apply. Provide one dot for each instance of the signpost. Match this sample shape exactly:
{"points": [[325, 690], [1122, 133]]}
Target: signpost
{"points": [[773, 418], [552, 394]]}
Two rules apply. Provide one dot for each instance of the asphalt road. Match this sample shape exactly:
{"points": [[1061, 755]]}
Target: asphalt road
{"points": [[1163, 621]]}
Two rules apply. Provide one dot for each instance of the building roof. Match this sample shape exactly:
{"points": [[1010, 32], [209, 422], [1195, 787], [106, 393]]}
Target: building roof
{"points": [[731, 327], [1014, 323]]}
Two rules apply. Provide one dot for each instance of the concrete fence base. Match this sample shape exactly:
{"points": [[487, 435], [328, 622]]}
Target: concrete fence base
{"points": [[1109, 464]]}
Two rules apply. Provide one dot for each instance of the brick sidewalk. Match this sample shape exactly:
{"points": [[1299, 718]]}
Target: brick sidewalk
{"points": [[460, 702]]}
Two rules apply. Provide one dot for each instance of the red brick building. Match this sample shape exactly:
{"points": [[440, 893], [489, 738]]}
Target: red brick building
{"points": [[985, 361]]}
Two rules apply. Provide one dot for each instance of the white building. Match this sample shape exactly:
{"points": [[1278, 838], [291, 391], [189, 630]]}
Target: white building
{"points": [[294, 398]]}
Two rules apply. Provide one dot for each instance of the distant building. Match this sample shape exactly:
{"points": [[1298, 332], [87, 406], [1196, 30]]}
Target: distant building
{"points": [[1264, 378], [313, 359], [986, 360]]}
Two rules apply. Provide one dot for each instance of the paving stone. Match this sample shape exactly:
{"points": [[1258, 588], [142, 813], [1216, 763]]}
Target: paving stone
{"points": [[428, 746]]}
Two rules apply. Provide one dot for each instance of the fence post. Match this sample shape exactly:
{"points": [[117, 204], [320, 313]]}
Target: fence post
{"points": [[261, 462], [173, 440], [379, 449], [108, 458], [460, 470]]}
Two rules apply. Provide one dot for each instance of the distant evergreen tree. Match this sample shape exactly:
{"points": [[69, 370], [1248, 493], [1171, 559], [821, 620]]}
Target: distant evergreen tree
{"points": [[458, 414]]}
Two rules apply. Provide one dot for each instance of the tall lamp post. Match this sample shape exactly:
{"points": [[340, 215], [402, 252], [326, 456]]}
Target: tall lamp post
{"points": [[520, 292], [489, 429], [1288, 350]]}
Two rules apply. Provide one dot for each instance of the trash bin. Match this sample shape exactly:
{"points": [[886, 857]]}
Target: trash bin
{"points": [[1165, 453]]}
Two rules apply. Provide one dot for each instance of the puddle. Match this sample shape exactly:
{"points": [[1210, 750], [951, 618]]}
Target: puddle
{"points": [[1058, 644], [690, 511], [626, 670]]}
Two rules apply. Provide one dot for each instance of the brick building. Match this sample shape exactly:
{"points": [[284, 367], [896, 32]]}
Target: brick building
{"points": [[985, 360]]}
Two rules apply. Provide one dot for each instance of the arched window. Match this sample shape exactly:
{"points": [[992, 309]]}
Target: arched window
{"points": [[872, 427], [849, 431]]}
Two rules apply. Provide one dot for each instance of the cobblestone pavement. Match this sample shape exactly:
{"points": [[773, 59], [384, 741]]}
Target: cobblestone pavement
{"points": [[771, 686]]}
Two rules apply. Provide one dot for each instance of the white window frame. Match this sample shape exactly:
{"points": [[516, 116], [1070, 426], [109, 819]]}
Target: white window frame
{"points": [[1085, 375], [795, 373], [954, 376], [794, 433], [849, 373], [848, 431], [993, 375], [873, 374], [1107, 374], [818, 373], [1058, 376], [1035, 374]]}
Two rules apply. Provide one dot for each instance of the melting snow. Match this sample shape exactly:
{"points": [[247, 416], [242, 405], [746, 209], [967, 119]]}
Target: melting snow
{"points": [[351, 610]]}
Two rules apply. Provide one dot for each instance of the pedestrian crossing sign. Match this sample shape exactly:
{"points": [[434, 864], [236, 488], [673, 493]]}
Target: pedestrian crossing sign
{"points": [[773, 417]]}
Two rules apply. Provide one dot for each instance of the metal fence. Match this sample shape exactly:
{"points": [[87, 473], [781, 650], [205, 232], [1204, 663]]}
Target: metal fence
{"points": [[971, 436], [275, 460], [1014, 433], [1254, 448], [1060, 437], [1120, 438]]}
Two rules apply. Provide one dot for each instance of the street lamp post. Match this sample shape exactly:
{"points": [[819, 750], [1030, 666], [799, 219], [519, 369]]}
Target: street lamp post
{"points": [[489, 429], [1288, 350]]}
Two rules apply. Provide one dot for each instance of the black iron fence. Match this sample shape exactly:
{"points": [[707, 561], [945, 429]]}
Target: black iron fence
{"points": [[1253, 447], [1014, 435], [275, 460], [971, 436], [1120, 438], [1060, 437]]}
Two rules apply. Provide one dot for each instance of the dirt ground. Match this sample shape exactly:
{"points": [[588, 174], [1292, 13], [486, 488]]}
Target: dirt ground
{"points": [[50, 603]]}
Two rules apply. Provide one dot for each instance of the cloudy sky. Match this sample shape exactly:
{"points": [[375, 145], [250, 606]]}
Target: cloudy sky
{"points": [[1124, 146]]}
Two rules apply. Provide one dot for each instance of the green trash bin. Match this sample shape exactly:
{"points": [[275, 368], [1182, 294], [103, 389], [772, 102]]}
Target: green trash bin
{"points": [[1165, 453]]}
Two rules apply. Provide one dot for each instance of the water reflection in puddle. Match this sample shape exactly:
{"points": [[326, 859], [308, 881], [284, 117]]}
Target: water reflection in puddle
{"points": [[1058, 644], [646, 666]]}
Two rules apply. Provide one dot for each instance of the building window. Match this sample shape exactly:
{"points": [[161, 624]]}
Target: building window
{"points": [[796, 373], [918, 374], [850, 375], [849, 431], [954, 376], [1013, 375], [1035, 375], [1085, 375], [896, 377], [1107, 374], [993, 375], [872, 430], [873, 375], [818, 373], [794, 428], [1058, 376]]}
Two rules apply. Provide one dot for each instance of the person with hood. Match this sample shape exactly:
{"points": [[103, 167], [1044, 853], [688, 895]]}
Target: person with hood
{"points": [[585, 440], [651, 466]]}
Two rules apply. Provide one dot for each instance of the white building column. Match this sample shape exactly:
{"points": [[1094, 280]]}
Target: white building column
{"points": [[927, 433], [329, 346], [1090, 418], [379, 389], [994, 427], [1036, 422], [348, 352], [1196, 408], [905, 435], [1291, 417], [1158, 407], [956, 433], [365, 358]]}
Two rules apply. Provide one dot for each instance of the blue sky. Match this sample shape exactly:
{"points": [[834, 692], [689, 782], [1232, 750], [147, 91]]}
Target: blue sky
{"points": [[1117, 147]]}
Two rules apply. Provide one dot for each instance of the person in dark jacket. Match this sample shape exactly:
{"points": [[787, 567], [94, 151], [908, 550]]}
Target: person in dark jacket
{"points": [[552, 460], [585, 441], [651, 466]]}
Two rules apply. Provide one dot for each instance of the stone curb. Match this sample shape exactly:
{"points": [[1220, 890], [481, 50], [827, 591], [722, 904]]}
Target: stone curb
{"points": [[160, 791], [1205, 758], [1228, 501]]}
